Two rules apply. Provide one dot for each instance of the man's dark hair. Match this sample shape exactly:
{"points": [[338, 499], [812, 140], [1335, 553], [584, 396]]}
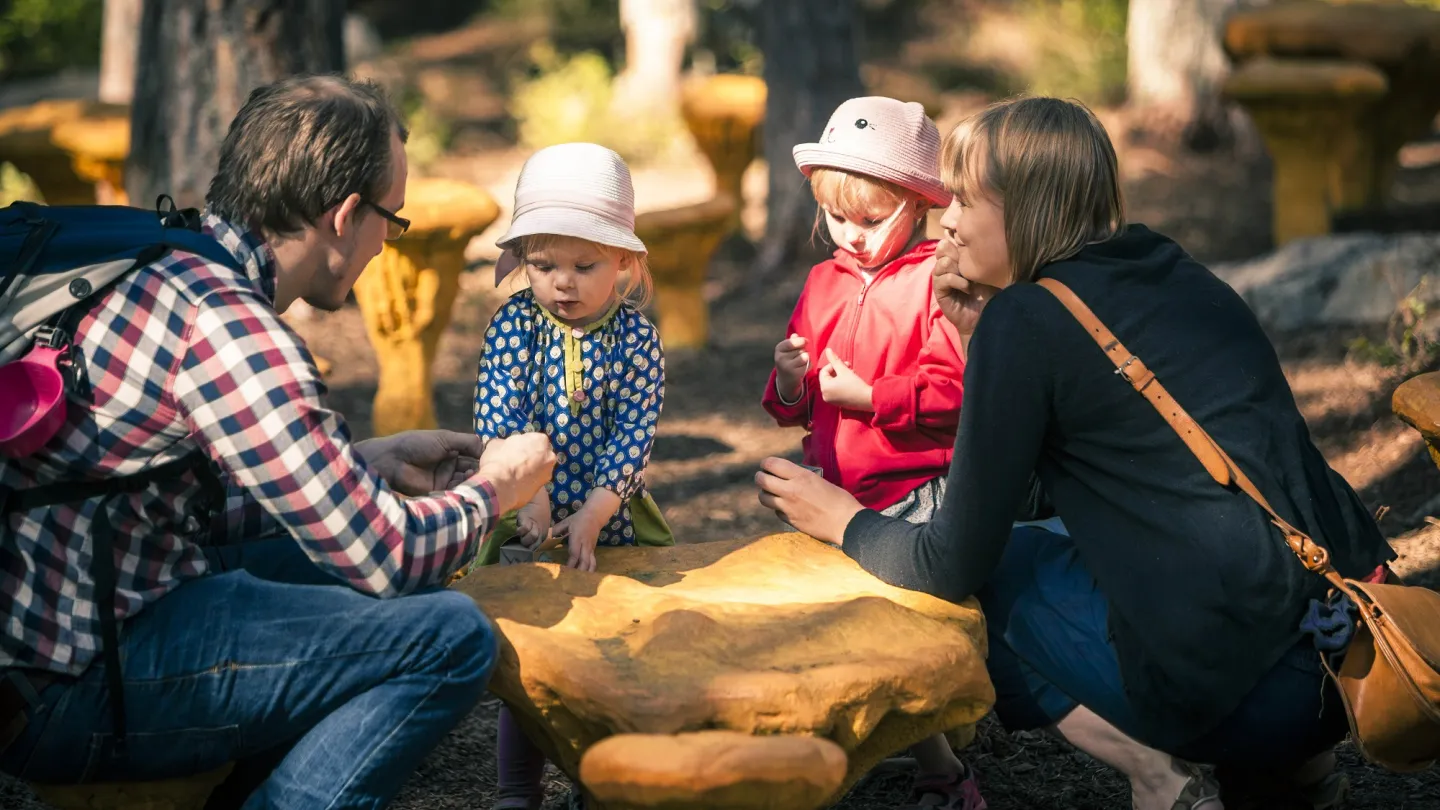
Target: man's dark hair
{"points": [[299, 147]]}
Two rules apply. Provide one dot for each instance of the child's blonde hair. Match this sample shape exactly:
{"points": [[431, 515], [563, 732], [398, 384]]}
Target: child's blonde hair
{"points": [[632, 263], [1051, 163], [853, 196]]}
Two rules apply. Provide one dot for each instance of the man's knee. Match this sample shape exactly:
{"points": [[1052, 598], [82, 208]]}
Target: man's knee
{"points": [[466, 633]]}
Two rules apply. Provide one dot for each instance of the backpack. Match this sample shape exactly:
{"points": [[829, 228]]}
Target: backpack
{"points": [[56, 263]]}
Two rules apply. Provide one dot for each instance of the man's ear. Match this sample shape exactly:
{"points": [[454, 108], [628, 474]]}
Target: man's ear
{"points": [[346, 215]]}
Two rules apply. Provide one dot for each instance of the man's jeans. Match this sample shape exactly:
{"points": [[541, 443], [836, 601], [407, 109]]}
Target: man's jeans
{"points": [[352, 691]]}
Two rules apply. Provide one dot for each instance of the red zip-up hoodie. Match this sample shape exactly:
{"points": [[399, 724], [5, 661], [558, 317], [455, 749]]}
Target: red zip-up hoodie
{"points": [[894, 336]]}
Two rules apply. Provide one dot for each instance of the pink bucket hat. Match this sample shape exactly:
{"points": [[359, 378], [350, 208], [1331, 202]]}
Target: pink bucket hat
{"points": [[882, 138], [572, 189]]}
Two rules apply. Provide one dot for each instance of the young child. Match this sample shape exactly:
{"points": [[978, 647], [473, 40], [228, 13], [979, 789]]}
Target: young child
{"points": [[870, 367], [573, 357]]}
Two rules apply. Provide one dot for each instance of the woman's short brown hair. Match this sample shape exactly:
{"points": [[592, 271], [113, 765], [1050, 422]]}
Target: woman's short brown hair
{"points": [[1050, 163]]}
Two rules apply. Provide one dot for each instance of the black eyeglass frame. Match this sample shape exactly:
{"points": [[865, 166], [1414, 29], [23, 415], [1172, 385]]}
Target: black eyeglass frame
{"points": [[393, 218]]}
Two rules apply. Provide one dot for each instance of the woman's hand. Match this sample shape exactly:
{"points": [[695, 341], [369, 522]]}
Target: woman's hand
{"points": [[959, 298], [805, 500], [842, 387]]}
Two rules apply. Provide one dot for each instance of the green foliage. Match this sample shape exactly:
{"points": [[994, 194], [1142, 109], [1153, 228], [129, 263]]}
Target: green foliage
{"points": [[430, 134], [16, 185], [42, 36], [1081, 49], [568, 99], [1407, 348]]}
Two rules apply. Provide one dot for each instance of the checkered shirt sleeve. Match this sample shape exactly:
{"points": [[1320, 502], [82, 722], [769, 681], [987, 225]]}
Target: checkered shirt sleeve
{"points": [[246, 384]]}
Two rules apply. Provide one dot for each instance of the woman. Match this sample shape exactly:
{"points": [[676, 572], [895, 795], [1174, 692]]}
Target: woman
{"points": [[1166, 629]]}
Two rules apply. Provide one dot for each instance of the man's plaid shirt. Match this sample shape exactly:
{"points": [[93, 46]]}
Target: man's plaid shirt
{"points": [[181, 354]]}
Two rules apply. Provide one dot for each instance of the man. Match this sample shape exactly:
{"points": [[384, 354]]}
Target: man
{"points": [[348, 688]]}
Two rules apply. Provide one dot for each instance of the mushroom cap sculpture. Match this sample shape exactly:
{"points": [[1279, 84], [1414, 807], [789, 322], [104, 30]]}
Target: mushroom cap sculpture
{"points": [[25, 142], [780, 636], [681, 243], [406, 294], [98, 143]]}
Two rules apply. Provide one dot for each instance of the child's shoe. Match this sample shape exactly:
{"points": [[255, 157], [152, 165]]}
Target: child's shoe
{"points": [[958, 791]]}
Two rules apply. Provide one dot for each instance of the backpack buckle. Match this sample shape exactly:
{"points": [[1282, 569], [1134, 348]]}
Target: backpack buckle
{"points": [[52, 338]]}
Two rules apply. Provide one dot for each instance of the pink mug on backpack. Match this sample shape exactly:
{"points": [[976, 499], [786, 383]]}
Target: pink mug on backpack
{"points": [[32, 399]]}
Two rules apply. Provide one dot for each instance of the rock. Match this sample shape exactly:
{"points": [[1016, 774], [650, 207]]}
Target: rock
{"points": [[777, 636], [1338, 280], [718, 770]]}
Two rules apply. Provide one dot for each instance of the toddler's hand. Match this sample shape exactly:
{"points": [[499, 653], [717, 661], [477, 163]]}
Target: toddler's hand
{"points": [[791, 363], [842, 387], [582, 534], [532, 522]]}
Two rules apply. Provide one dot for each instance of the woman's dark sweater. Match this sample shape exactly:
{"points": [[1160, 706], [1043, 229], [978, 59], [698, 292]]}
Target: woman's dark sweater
{"points": [[1204, 595]]}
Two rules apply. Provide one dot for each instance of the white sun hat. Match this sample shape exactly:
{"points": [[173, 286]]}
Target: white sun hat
{"points": [[882, 138], [572, 189]]}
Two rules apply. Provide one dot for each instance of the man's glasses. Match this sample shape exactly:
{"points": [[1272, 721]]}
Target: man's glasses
{"points": [[397, 225]]}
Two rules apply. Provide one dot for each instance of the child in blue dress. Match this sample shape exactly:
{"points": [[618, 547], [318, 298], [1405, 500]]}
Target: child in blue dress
{"points": [[573, 357]]}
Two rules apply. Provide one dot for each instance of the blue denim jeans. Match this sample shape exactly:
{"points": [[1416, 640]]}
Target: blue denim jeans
{"points": [[346, 692], [1050, 651]]}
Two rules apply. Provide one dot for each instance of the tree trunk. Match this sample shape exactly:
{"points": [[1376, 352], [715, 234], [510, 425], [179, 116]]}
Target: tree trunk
{"points": [[811, 65], [198, 61], [656, 34], [1177, 64], [118, 44]]}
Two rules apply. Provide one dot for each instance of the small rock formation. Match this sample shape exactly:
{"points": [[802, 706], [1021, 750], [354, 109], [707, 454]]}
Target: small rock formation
{"points": [[781, 636], [719, 770], [406, 293], [1339, 280]]}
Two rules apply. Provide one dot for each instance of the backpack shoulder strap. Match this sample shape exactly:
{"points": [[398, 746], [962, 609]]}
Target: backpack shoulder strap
{"points": [[1212, 456]]}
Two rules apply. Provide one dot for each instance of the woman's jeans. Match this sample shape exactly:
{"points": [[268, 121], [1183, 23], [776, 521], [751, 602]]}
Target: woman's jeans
{"points": [[271, 656], [1050, 651]]}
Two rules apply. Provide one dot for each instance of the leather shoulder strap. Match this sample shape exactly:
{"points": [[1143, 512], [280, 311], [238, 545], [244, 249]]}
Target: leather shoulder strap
{"points": [[1211, 455]]}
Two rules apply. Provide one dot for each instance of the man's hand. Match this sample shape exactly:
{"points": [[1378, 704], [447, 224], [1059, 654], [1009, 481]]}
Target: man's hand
{"points": [[418, 462], [516, 467], [791, 363], [805, 500], [842, 387], [959, 298]]}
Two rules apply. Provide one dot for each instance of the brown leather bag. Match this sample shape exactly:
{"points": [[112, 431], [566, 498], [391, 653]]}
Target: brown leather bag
{"points": [[1390, 676]]}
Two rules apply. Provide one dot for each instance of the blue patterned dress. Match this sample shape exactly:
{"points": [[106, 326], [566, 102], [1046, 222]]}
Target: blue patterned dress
{"points": [[596, 391]]}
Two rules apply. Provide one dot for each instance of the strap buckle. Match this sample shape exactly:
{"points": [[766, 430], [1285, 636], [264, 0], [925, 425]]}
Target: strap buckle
{"points": [[1123, 368], [52, 338]]}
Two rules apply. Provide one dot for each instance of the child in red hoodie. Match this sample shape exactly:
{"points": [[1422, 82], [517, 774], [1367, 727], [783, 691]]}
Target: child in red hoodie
{"points": [[870, 366]]}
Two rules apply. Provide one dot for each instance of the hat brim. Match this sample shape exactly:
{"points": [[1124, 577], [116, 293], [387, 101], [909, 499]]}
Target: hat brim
{"points": [[810, 155], [570, 222]]}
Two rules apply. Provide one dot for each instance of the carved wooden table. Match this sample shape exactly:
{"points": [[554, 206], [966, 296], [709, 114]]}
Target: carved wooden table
{"points": [[816, 669]]}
